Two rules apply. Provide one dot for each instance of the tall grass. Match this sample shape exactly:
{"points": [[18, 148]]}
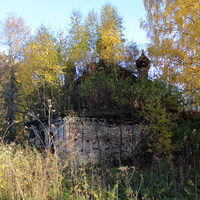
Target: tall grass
{"points": [[26, 174]]}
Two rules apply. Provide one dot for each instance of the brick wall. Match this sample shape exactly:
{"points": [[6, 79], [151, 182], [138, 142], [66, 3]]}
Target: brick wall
{"points": [[88, 138]]}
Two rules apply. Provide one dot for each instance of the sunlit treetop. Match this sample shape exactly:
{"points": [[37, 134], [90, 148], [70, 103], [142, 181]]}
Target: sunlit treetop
{"points": [[173, 31]]}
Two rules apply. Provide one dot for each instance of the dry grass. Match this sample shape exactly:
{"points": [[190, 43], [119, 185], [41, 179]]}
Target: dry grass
{"points": [[26, 174]]}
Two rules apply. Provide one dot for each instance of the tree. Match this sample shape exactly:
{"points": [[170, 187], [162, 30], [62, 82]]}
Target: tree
{"points": [[91, 26], [173, 30], [131, 52], [13, 36], [110, 41], [97, 38], [40, 70], [77, 41], [4, 79], [159, 103]]}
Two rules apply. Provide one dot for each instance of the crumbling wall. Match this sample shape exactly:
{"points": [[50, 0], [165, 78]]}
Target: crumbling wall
{"points": [[89, 139]]}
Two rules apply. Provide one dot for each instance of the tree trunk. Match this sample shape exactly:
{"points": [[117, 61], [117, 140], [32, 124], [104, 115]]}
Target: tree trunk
{"points": [[10, 113]]}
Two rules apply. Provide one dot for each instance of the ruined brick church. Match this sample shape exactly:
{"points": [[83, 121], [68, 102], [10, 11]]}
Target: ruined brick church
{"points": [[88, 138]]}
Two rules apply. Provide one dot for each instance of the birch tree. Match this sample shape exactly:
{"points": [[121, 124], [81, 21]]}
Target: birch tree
{"points": [[77, 41], [173, 30], [40, 70], [13, 35], [110, 42]]}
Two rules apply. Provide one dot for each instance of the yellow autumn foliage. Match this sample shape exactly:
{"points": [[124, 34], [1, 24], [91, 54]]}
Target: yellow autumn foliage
{"points": [[111, 45], [40, 64], [173, 29]]}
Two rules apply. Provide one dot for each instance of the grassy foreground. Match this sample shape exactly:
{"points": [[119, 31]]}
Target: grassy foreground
{"points": [[26, 173]]}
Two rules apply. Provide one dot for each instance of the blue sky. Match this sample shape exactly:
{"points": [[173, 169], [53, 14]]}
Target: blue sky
{"points": [[56, 13]]}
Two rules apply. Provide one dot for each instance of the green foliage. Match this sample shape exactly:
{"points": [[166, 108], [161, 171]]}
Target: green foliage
{"points": [[159, 103], [187, 134], [107, 91], [156, 99]]}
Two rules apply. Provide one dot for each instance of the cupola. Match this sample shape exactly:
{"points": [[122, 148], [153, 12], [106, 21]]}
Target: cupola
{"points": [[143, 65]]}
